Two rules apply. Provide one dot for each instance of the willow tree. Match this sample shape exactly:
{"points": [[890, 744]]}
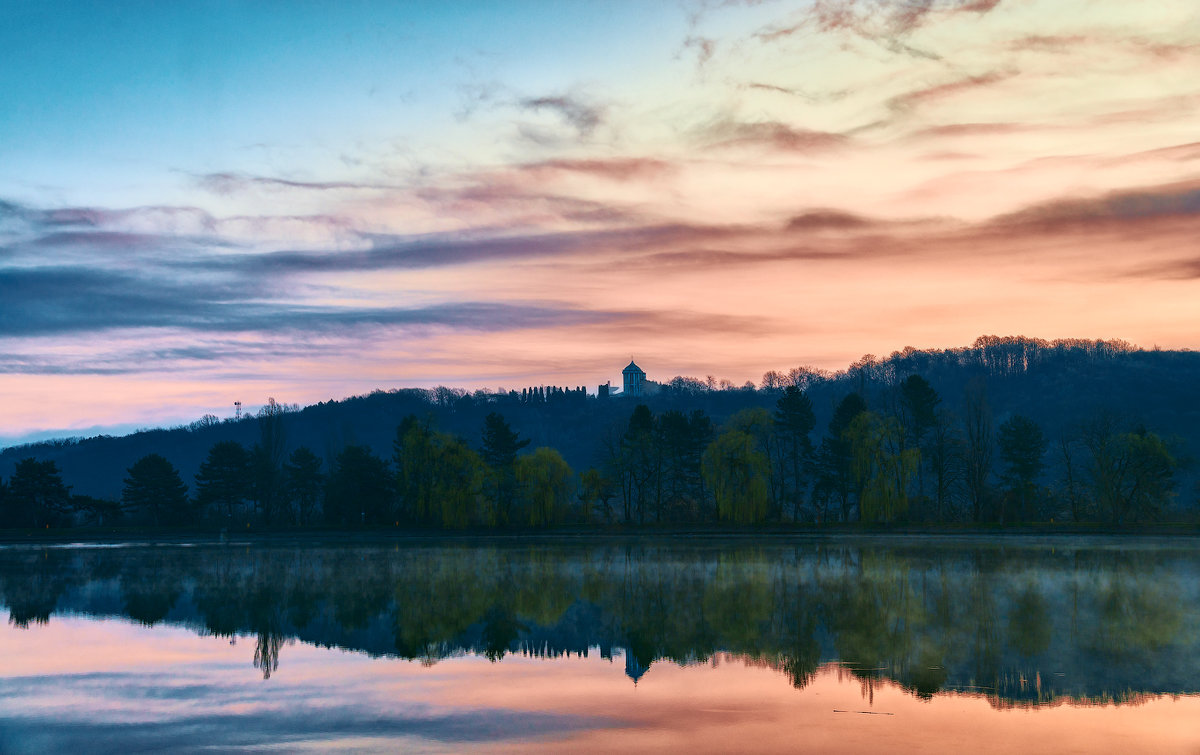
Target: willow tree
{"points": [[736, 469], [413, 453], [882, 467], [458, 475], [546, 485]]}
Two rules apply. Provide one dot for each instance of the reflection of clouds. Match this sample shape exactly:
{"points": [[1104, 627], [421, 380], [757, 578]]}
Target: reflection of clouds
{"points": [[326, 728], [168, 690], [117, 687]]}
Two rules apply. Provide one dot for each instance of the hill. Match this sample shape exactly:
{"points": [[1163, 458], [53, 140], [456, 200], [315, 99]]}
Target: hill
{"points": [[1060, 385]]}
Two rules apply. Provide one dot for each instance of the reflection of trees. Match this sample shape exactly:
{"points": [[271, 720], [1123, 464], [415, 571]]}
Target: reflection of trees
{"points": [[960, 618], [1029, 622], [33, 588], [874, 612], [149, 590], [501, 630], [1137, 617], [266, 653]]}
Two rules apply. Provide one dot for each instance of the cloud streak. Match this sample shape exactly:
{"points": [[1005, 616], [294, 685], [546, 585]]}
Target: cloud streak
{"points": [[772, 135], [232, 183], [584, 117]]}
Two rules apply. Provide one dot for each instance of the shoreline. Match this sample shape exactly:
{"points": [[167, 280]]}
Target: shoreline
{"points": [[772, 534]]}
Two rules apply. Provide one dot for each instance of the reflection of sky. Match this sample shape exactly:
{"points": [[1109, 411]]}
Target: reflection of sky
{"points": [[208, 202], [95, 686]]}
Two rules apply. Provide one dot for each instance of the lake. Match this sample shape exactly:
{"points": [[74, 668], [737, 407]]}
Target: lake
{"points": [[899, 644]]}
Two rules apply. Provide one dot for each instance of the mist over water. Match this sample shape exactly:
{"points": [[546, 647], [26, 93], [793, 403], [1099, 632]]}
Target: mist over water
{"points": [[635, 644]]}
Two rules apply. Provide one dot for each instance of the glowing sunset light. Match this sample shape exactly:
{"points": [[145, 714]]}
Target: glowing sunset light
{"points": [[204, 204], [95, 674]]}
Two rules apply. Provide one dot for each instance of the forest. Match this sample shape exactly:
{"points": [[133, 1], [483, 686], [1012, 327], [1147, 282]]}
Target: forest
{"points": [[1009, 431]]}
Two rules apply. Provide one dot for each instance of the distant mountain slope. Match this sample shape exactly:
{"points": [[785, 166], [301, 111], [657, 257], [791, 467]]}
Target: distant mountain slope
{"points": [[1057, 384]]}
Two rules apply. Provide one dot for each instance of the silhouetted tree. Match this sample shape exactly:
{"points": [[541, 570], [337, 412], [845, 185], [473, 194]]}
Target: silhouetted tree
{"points": [[224, 478], [1072, 485], [414, 456], [681, 442], [36, 495], [919, 402], [642, 458], [1022, 447], [1132, 473], [92, 511], [945, 454], [836, 456], [303, 482], [794, 422], [500, 447], [266, 461], [154, 487], [918, 405], [1150, 475], [977, 456], [596, 490], [360, 489]]}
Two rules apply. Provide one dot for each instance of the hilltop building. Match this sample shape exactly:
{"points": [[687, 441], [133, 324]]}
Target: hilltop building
{"points": [[634, 379], [634, 384]]}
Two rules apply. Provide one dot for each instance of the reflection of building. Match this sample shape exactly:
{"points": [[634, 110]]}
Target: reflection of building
{"points": [[634, 668], [635, 380]]}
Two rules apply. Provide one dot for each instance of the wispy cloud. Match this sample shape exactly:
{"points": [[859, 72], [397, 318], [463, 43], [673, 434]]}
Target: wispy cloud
{"points": [[57, 301], [583, 116], [817, 220], [447, 250], [615, 169], [874, 19], [771, 134], [1176, 200], [705, 49], [945, 90], [231, 183]]}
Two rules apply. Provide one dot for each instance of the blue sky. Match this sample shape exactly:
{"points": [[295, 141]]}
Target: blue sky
{"points": [[125, 99], [203, 202]]}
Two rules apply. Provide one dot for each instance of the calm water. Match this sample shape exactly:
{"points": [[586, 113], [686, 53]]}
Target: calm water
{"points": [[829, 646]]}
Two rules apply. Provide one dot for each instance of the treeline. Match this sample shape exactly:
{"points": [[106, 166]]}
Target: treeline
{"points": [[433, 479], [903, 458], [894, 455]]}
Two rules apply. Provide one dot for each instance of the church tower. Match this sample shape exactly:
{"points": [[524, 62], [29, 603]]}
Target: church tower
{"points": [[635, 380]]}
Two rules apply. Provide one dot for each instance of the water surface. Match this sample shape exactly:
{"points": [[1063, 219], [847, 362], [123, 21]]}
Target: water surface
{"points": [[910, 644]]}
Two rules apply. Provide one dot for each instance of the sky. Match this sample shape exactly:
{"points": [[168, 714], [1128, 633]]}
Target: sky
{"points": [[209, 202]]}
